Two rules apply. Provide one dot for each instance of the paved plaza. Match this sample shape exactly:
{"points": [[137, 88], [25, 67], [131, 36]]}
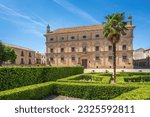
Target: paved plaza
{"points": [[118, 70]]}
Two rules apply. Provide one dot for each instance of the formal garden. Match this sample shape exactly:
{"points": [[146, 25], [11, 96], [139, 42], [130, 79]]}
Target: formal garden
{"points": [[35, 83]]}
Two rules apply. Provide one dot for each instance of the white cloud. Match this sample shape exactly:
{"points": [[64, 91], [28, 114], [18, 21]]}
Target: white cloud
{"points": [[10, 12], [72, 8]]}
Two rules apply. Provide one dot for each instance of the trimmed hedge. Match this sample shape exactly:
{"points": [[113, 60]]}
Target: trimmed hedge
{"points": [[86, 78], [32, 92], [132, 73], [137, 78], [79, 90], [142, 93], [91, 91], [13, 77]]}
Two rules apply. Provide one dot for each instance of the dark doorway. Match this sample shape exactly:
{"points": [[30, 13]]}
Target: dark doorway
{"points": [[84, 63]]}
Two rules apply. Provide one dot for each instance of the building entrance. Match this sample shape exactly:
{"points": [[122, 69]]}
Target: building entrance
{"points": [[84, 63]]}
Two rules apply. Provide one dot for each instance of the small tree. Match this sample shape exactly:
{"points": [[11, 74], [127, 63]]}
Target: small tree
{"points": [[112, 30], [7, 53]]}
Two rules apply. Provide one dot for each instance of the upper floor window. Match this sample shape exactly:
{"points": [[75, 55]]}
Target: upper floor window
{"points": [[124, 47], [52, 50], [73, 49], [72, 37], [29, 54], [109, 47], [97, 35], [22, 53], [62, 49], [110, 58], [62, 38], [84, 36], [124, 57], [97, 58], [51, 39], [97, 48], [84, 49]]}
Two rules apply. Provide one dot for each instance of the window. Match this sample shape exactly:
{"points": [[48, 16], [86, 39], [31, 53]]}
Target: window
{"points": [[84, 37], [73, 58], [97, 48], [124, 57], [84, 49], [72, 37], [62, 38], [97, 36], [62, 49], [51, 59], [110, 58], [22, 61], [51, 39], [52, 50], [29, 54], [73, 49], [124, 47], [62, 58], [30, 61], [22, 53], [97, 58], [109, 48]]}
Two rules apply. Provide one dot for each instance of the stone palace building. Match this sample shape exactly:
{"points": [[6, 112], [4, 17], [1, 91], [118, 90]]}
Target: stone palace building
{"points": [[85, 45]]}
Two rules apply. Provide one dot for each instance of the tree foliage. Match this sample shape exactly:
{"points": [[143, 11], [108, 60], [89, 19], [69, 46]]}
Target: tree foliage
{"points": [[7, 54], [114, 27]]}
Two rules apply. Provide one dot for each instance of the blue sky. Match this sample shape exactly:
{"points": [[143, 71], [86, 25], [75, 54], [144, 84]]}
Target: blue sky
{"points": [[23, 22]]}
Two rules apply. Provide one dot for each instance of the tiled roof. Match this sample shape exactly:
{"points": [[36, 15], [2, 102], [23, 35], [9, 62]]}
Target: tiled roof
{"points": [[78, 28], [16, 46]]}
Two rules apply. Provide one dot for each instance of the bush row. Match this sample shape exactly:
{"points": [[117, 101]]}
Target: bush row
{"points": [[141, 93], [78, 90], [91, 91], [12, 77], [137, 78], [32, 92], [87, 78], [132, 73]]}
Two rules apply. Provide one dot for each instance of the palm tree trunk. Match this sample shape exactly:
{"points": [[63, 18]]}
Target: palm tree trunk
{"points": [[114, 63]]}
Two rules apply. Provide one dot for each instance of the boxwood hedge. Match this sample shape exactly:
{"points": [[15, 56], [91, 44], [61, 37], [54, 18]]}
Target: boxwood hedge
{"points": [[31, 92], [141, 93], [12, 77], [137, 78], [79, 90], [91, 91], [86, 78]]}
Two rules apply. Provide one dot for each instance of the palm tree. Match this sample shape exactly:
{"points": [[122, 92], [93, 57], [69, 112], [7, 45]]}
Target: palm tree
{"points": [[114, 27]]}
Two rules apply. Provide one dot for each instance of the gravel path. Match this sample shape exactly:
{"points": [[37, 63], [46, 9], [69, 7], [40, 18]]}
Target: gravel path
{"points": [[54, 97]]}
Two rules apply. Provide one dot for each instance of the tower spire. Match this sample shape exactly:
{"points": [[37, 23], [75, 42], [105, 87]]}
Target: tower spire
{"points": [[130, 20], [48, 28]]}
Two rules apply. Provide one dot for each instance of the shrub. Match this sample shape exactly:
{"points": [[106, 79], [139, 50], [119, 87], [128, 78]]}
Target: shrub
{"points": [[132, 73], [37, 91], [12, 77], [137, 78], [141, 93], [86, 78], [90, 91]]}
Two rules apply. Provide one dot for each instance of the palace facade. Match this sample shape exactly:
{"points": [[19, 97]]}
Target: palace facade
{"points": [[86, 46]]}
